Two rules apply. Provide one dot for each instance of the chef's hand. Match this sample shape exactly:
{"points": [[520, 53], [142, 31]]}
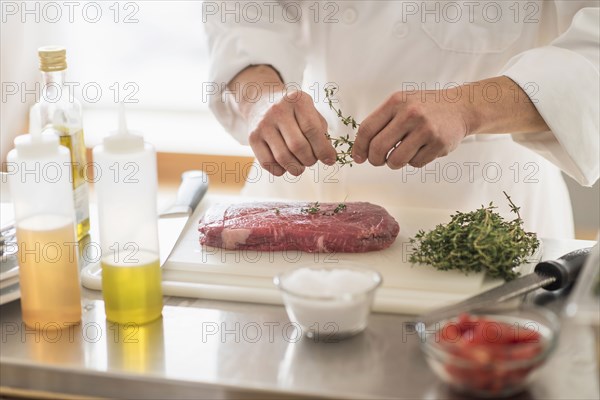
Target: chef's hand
{"points": [[409, 129], [286, 133], [417, 127]]}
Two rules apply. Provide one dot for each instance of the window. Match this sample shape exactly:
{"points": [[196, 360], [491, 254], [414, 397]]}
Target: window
{"points": [[156, 54], [152, 55]]}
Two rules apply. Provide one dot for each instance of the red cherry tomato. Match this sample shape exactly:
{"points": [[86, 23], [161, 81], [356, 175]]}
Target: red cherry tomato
{"points": [[489, 347]]}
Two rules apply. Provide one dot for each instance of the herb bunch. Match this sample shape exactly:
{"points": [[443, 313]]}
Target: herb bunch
{"points": [[342, 144], [476, 241]]}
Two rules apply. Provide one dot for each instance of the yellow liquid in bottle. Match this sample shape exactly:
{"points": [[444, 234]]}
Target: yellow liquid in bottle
{"points": [[132, 292], [74, 142], [48, 272]]}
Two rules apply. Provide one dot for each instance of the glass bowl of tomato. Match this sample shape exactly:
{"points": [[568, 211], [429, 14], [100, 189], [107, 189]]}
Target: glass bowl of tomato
{"points": [[490, 353]]}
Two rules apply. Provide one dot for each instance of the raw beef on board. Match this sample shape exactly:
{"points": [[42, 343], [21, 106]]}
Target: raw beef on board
{"points": [[311, 227]]}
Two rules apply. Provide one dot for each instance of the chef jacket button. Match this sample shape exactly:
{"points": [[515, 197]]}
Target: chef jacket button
{"points": [[400, 29], [349, 16]]}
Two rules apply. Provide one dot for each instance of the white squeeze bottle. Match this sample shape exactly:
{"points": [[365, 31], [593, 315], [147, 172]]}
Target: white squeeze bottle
{"points": [[41, 189], [126, 195]]}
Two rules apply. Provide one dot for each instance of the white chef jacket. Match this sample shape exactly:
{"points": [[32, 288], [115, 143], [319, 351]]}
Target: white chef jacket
{"points": [[370, 49]]}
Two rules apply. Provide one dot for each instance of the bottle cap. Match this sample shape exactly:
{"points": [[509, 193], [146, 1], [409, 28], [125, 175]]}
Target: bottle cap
{"points": [[52, 58], [123, 141], [44, 144], [38, 143]]}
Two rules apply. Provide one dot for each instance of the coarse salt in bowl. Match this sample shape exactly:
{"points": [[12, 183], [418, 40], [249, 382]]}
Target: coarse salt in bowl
{"points": [[329, 302]]}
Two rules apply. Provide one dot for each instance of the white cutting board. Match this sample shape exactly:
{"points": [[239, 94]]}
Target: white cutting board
{"points": [[405, 289], [196, 271]]}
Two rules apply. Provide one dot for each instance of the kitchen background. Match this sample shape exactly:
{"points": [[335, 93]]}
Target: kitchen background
{"points": [[154, 58]]}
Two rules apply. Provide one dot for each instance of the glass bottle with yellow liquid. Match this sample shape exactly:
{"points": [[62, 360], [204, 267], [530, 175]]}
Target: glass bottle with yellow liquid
{"points": [[126, 197], [59, 109], [45, 225]]}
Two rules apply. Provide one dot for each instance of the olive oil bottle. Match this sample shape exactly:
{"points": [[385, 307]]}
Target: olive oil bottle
{"points": [[59, 110]]}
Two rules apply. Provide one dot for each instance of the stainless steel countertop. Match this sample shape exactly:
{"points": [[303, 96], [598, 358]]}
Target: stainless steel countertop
{"points": [[214, 349]]}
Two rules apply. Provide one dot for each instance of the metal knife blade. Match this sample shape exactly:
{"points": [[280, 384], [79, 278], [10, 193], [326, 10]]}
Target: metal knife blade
{"points": [[550, 275], [173, 220]]}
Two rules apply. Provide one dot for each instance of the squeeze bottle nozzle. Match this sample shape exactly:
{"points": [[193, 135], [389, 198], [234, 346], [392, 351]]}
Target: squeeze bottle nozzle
{"points": [[122, 119], [123, 141], [37, 144]]}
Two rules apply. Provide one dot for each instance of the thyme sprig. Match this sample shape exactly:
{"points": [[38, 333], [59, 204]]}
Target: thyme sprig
{"points": [[340, 207], [342, 144], [477, 241], [349, 120], [313, 208]]}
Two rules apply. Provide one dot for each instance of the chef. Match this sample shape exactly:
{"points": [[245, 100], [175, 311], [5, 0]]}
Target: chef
{"points": [[455, 101]]}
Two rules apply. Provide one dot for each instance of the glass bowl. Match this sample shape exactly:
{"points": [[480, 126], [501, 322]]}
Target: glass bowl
{"points": [[329, 302], [497, 355]]}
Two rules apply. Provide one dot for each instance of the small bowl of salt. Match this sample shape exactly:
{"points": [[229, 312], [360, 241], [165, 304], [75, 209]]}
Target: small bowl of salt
{"points": [[329, 302]]}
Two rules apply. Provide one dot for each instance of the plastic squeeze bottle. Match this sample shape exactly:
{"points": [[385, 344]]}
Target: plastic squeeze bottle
{"points": [[45, 223], [126, 197]]}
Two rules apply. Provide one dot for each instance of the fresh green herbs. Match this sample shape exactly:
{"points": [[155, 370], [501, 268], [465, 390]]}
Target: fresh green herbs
{"points": [[342, 144], [277, 212], [313, 208], [476, 241], [343, 155], [340, 207], [348, 121]]}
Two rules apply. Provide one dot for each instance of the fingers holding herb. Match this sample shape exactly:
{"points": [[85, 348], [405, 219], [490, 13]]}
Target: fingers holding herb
{"points": [[312, 125], [371, 128], [476, 241], [439, 125], [405, 154], [265, 157], [297, 142], [343, 146], [287, 135], [282, 154]]}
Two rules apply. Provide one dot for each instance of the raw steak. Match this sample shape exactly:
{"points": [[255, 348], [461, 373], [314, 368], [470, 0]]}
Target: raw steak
{"points": [[276, 226]]}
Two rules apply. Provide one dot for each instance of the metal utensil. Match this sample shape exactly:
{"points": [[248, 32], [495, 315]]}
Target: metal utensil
{"points": [[171, 223], [192, 189], [7, 236], [550, 275]]}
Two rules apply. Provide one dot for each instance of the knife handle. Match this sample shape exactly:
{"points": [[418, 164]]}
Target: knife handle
{"points": [[193, 187], [565, 270]]}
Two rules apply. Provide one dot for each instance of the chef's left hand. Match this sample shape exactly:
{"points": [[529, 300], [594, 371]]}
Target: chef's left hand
{"points": [[411, 128]]}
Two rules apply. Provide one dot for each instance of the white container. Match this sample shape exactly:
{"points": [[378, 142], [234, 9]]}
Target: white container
{"points": [[126, 187], [41, 190], [329, 302]]}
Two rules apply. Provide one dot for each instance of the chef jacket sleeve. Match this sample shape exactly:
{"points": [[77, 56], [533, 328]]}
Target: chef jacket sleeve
{"points": [[564, 76], [244, 33]]}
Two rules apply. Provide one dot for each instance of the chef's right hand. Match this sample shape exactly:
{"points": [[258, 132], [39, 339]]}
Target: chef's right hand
{"points": [[289, 134]]}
